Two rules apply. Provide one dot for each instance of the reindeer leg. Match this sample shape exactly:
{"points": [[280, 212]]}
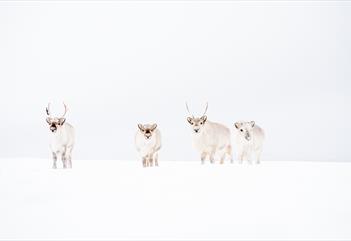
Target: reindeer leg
{"points": [[64, 161], [70, 161], [144, 161], [240, 156], [258, 156], [223, 151], [229, 152], [222, 158], [203, 157], [147, 161], [69, 156], [247, 157], [156, 159], [54, 157], [212, 155], [151, 161]]}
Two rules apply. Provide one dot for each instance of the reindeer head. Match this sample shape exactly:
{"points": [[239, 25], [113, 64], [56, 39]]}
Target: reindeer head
{"points": [[197, 123], [147, 130], [244, 129], [55, 122]]}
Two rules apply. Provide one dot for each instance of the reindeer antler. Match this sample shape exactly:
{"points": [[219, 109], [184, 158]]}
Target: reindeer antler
{"points": [[206, 108], [48, 110], [187, 107], [65, 110]]}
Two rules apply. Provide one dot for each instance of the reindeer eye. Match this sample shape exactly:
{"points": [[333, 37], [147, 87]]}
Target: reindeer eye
{"points": [[201, 123], [241, 130]]}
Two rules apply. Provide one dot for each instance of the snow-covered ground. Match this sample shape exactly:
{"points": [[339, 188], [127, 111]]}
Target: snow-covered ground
{"points": [[179, 200]]}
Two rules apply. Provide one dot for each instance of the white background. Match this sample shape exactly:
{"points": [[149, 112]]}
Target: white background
{"points": [[285, 65]]}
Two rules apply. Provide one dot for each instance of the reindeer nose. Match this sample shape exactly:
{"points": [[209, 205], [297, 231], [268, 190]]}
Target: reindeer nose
{"points": [[196, 131]]}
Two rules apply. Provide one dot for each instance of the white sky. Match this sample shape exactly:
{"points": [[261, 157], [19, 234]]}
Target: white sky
{"points": [[284, 65]]}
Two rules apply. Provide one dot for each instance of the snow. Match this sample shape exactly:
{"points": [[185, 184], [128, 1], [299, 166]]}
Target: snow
{"points": [[100, 199]]}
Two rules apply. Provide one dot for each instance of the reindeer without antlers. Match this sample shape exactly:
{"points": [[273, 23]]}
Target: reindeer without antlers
{"points": [[210, 138], [62, 138], [148, 143]]}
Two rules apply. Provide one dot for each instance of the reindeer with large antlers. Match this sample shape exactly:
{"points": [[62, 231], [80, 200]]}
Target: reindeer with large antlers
{"points": [[210, 138], [62, 135]]}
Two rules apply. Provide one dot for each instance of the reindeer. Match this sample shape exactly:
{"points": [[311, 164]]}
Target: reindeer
{"points": [[210, 138], [249, 139], [148, 143], [62, 138]]}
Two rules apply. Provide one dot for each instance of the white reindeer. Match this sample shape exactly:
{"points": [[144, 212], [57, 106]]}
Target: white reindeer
{"points": [[210, 138], [148, 143], [62, 138], [249, 140]]}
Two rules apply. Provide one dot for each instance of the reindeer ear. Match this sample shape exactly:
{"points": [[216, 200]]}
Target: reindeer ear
{"points": [[48, 120], [204, 118], [252, 123], [237, 125], [153, 127], [190, 120], [62, 121], [141, 127]]}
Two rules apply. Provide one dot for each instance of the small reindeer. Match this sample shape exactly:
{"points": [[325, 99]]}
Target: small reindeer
{"points": [[210, 138], [249, 139], [62, 138], [148, 143]]}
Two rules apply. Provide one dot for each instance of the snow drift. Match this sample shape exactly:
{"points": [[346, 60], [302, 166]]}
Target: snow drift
{"points": [[178, 200]]}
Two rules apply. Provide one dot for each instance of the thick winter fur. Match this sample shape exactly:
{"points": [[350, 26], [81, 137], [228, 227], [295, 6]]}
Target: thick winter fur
{"points": [[148, 143], [62, 141], [249, 139], [210, 139]]}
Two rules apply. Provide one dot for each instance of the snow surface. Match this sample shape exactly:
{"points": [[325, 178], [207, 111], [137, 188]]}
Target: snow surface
{"points": [[179, 200]]}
